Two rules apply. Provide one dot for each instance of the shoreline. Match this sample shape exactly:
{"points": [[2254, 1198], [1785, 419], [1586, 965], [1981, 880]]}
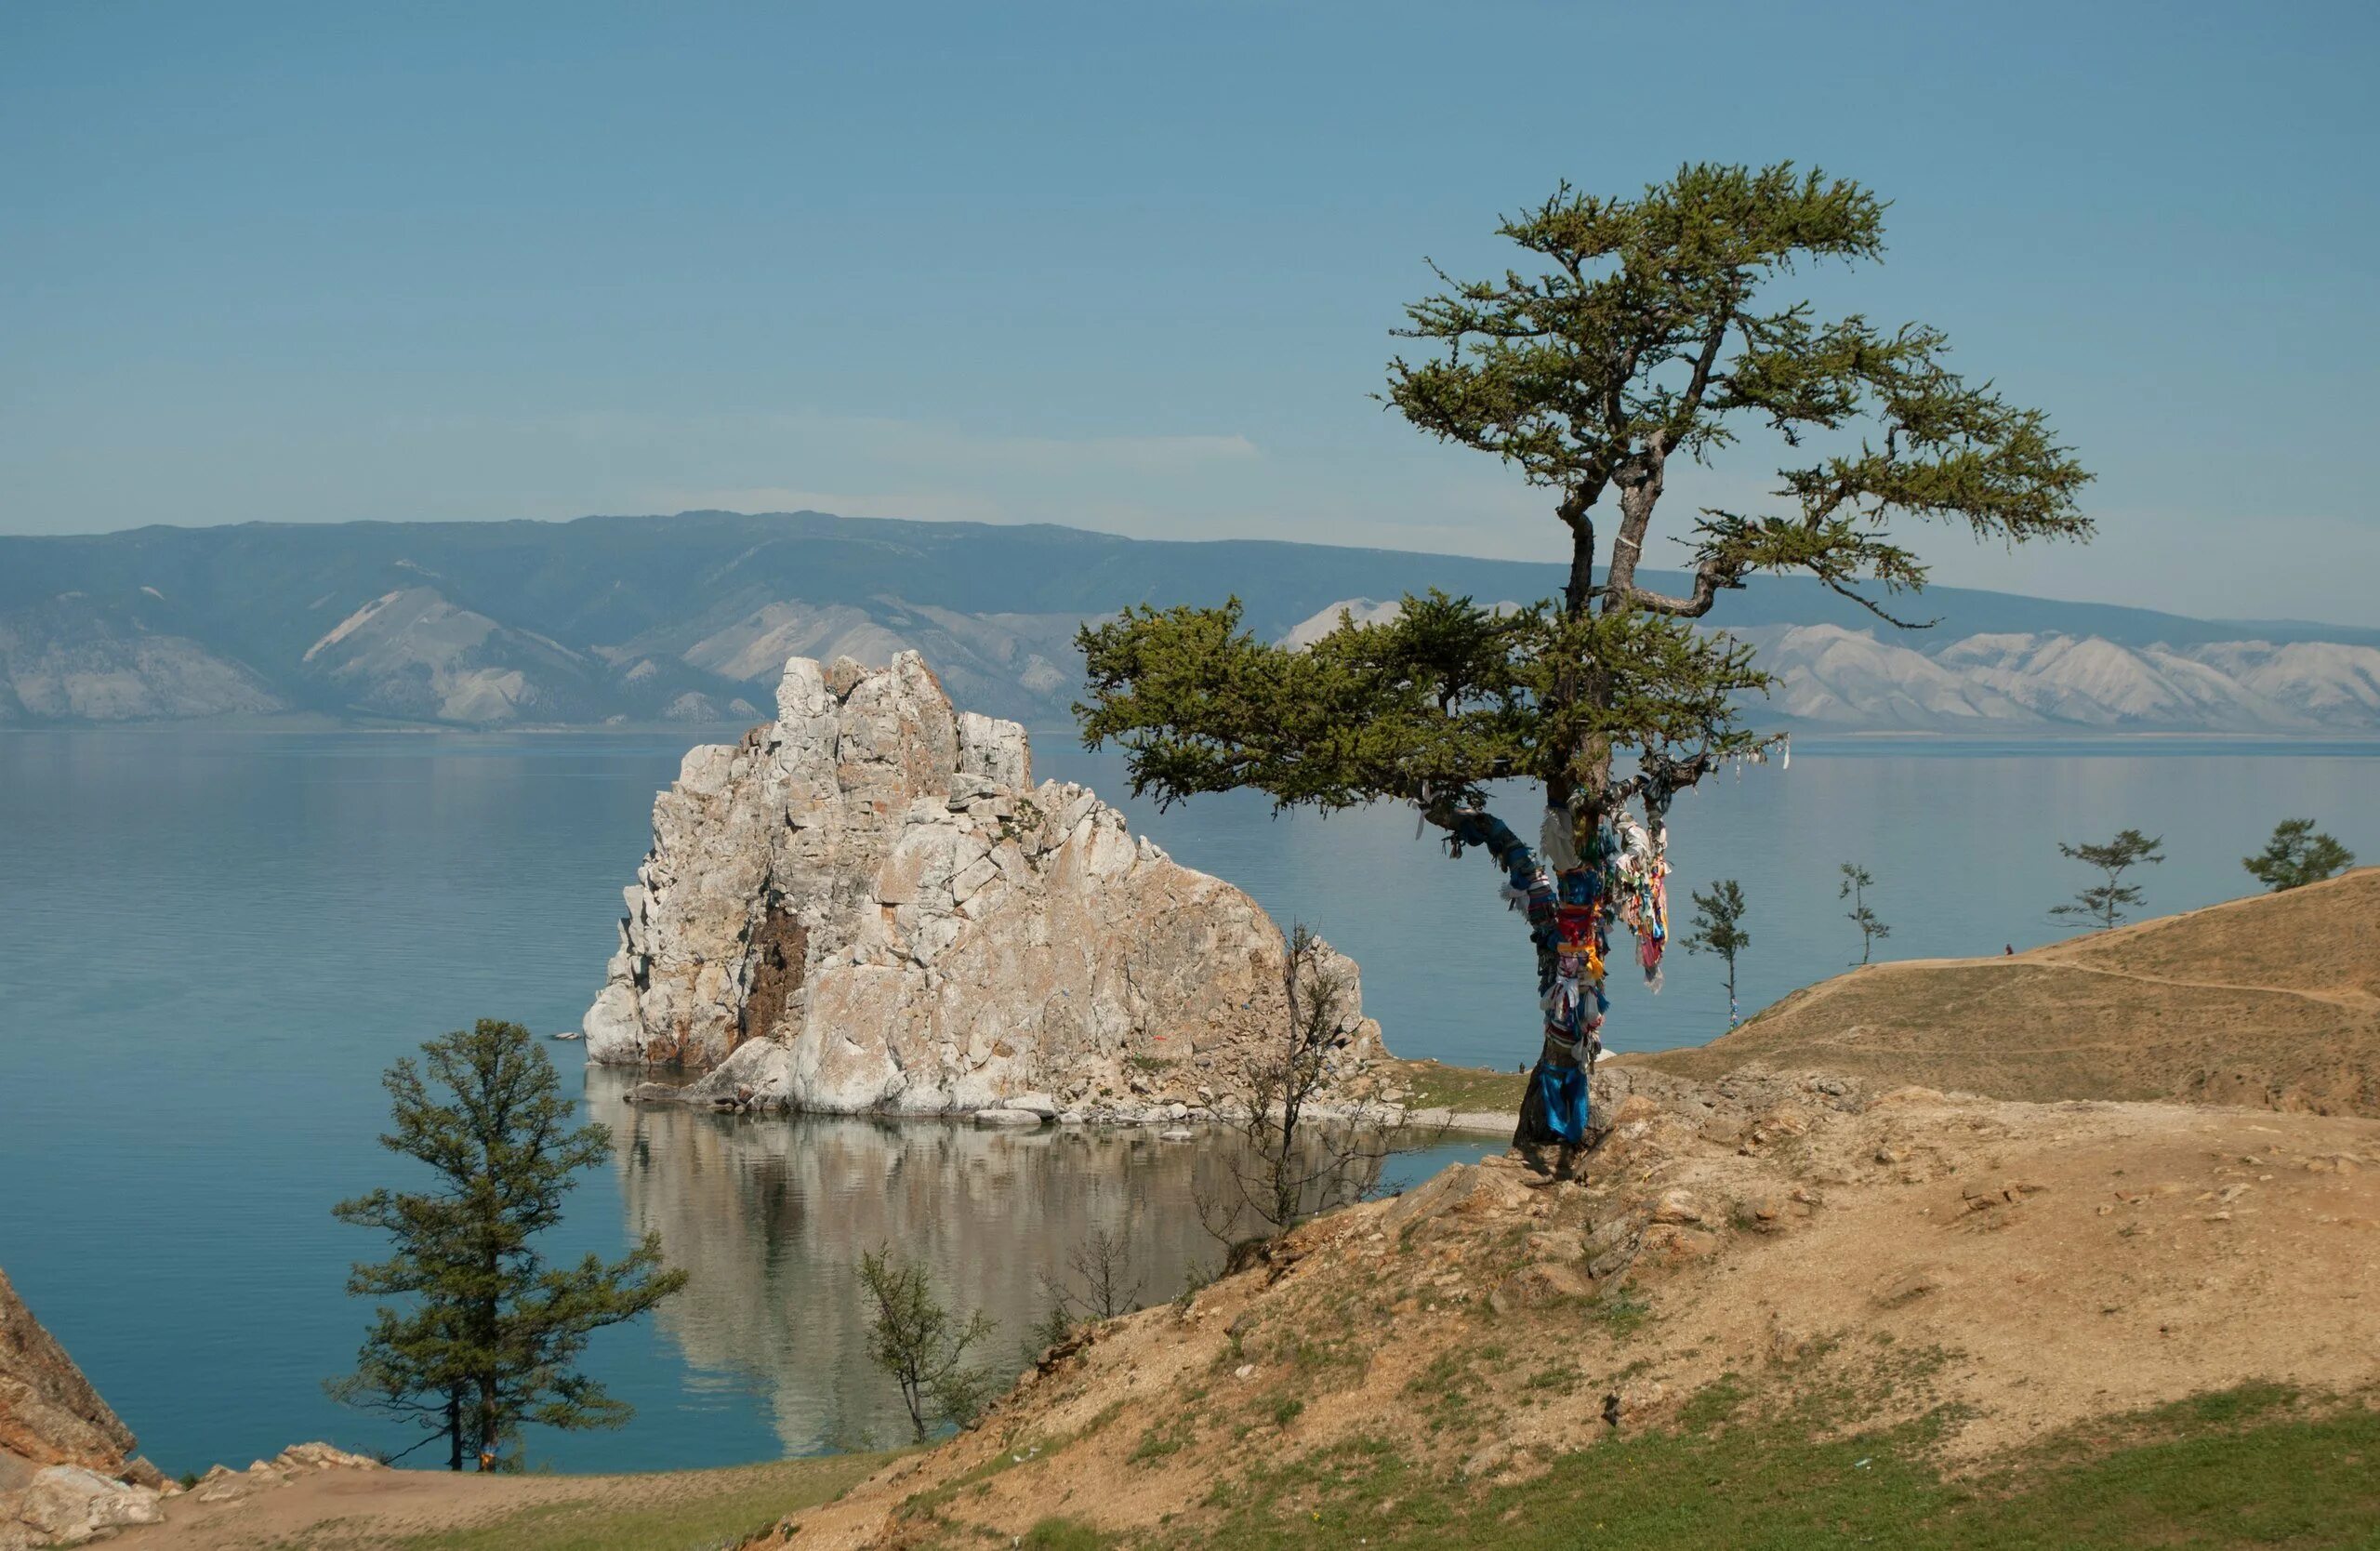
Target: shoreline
{"points": [[1023, 1117], [1812, 739], [1173, 1119]]}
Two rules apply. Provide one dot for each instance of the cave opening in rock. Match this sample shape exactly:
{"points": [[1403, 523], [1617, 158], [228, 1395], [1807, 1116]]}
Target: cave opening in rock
{"points": [[780, 954]]}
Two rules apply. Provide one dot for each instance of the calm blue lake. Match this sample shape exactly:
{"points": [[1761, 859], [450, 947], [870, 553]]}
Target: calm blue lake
{"points": [[215, 942]]}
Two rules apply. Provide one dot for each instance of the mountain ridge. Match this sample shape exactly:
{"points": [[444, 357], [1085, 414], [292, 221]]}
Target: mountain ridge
{"points": [[627, 618]]}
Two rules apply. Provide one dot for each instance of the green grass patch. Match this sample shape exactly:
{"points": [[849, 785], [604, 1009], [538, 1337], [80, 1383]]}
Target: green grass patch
{"points": [[1064, 1534], [1435, 1086], [1157, 1443], [1619, 1310], [690, 1510], [1551, 1380], [2244, 1469], [1713, 1404], [1015, 1456]]}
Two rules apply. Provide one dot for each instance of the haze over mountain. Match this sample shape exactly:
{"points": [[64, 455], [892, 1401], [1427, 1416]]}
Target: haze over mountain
{"points": [[612, 619]]}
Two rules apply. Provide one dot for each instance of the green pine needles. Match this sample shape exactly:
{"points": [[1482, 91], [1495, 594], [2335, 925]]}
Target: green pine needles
{"points": [[2297, 856], [486, 1335], [1857, 882], [1718, 927], [2106, 902], [1640, 331], [1635, 332], [917, 1340]]}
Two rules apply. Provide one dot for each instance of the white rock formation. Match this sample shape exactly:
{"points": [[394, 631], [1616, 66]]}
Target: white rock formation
{"points": [[867, 905]]}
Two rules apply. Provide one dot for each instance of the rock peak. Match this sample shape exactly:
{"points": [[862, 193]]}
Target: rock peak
{"points": [[869, 904]]}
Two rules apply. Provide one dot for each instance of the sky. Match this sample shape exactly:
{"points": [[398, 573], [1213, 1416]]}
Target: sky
{"points": [[1133, 268]]}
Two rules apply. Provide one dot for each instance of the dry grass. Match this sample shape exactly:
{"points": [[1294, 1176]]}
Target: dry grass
{"points": [[2272, 1001]]}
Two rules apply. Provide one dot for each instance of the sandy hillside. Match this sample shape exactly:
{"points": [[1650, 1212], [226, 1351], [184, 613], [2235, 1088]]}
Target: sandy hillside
{"points": [[2014, 1268], [2272, 1000]]}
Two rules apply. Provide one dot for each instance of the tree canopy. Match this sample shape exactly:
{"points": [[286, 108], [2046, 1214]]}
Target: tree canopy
{"points": [[1641, 330], [2105, 903], [1718, 927], [487, 1335], [2296, 855], [915, 1337], [1647, 332]]}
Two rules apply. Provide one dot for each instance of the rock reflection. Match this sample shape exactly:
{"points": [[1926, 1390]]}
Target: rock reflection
{"points": [[771, 1214]]}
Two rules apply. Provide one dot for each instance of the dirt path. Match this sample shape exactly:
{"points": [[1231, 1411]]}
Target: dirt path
{"points": [[384, 1510]]}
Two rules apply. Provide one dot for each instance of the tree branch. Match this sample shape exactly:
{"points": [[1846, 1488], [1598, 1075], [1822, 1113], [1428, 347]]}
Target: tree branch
{"points": [[1691, 404], [1878, 609], [1709, 580]]}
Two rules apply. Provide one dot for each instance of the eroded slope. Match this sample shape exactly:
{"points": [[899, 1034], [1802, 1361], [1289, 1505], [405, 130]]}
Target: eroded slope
{"points": [[1985, 1273]]}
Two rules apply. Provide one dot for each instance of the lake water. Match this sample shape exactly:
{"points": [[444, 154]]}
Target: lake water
{"points": [[215, 942]]}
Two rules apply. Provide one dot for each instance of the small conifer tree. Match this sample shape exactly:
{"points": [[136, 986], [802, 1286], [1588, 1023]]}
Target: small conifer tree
{"points": [[914, 1337], [487, 1334], [1718, 928], [2104, 903], [1857, 882], [2297, 857]]}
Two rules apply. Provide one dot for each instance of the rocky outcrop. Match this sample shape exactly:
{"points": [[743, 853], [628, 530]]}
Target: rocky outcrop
{"points": [[223, 1484], [67, 1470], [49, 1413], [66, 1504], [867, 905]]}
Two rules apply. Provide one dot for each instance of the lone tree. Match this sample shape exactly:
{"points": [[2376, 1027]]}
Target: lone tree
{"points": [[2296, 855], [1641, 333], [915, 1338], [489, 1332], [1104, 1286], [1857, 882], [1718, 928], [2104, 903], [1296, 1164]]}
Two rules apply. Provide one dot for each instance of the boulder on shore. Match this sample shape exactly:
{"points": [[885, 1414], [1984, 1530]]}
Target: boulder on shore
{"points": [[869, 904]]}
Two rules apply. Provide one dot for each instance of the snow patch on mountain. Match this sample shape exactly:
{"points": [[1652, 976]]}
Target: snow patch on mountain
{"points": [[1850, 679]]}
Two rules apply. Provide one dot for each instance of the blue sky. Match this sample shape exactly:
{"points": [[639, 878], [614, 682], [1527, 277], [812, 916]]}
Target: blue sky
{"points": [[1133, 267]]}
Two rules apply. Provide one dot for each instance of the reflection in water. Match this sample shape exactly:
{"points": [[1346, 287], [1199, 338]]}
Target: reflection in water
{"points": [[771, 1216]]}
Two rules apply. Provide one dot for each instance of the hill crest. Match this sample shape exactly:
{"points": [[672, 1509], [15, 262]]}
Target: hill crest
{"points": [[2272, 1001]]}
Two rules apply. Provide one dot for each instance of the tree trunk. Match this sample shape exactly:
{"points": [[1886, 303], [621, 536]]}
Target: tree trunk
{"points": [[486, 1428], [1587, 772], [455, 1430], [913, 1385]]}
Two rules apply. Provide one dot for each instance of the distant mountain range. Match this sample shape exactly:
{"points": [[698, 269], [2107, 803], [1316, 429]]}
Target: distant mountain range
{"points": [[643, 619]]}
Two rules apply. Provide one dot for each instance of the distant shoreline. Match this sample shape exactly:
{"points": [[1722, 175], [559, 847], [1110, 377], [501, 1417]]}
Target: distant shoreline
{"points": [[1811, 741]]}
